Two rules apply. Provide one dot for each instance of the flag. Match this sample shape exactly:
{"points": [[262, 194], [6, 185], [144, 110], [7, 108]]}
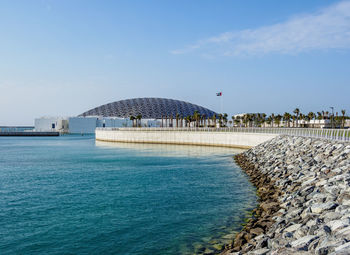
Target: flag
{"points": [[219, 94]]}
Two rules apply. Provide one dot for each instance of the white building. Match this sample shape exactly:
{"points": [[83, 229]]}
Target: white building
{"points": [[45, 124], [347, 123], [78, 125], [87, 125]]}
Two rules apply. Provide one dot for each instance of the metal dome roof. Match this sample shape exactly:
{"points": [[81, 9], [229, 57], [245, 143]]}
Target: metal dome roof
{"points": [[148, 108]]}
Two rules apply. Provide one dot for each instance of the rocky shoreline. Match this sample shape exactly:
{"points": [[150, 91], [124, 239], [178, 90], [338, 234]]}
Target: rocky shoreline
{"points": [[304, 189]]}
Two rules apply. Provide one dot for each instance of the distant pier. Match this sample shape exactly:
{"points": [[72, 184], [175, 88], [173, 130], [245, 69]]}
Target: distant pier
{"points": [[29, 133]]}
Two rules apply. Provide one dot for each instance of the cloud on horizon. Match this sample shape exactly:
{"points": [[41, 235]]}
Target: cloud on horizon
{"points": [[328, 28]]}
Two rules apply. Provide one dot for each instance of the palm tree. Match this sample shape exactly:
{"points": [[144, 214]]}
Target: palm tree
{"points": [[301, 117], [238, 120], [132, 118], [311, 116], [177, 120], [278, 120], [233, 120], [214, 119], [326, 116], [198, 120], [269, 120], [297, 112], [263, 120], [204, 117], [250, 119], [319, 117], [187, 121], [139, 117], [338, 120], [306, 120], [286, 118], [196, 117], [343, 117], [272, 118], [171, 121], [220, 119], [225, 118], [255, 119], [245, 119], [293, 119]]}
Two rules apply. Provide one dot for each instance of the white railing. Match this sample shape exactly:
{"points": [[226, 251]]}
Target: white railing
{"points": [[333, 134]]}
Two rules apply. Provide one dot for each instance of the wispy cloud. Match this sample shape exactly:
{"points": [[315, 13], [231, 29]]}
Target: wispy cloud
{"points": [[328, 28]]}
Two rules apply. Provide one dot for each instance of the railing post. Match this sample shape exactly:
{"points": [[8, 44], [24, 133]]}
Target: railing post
{"points": [[344, 132]]}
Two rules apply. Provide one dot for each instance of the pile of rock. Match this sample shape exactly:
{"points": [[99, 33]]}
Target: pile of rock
{"points": [[304, 187]]}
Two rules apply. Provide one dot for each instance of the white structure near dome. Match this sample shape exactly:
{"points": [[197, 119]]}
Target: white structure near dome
{"points": [[87, 125], [79, 125], [47, 124]]}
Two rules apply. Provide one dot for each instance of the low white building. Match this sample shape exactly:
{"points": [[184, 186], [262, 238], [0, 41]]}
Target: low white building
{"points": [[78, 125], [87, 125], [54, 124], [316, 123], [151, 123], [347, 124]]}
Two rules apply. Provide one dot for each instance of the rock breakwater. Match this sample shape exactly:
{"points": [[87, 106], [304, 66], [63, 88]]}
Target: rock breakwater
{"points": [[304, 188]]}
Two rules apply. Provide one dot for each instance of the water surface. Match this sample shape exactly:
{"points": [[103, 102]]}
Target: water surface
{"points": [[72, 195]]}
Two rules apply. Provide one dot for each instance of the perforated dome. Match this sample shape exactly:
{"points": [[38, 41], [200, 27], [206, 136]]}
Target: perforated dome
{"points": [[148, 108]]}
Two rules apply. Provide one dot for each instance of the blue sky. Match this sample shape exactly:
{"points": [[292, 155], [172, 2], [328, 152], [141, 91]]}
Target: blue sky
{"points": [[61, 58]]}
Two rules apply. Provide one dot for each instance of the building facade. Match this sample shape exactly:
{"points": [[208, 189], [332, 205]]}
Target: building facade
{"points": [[47, 124]]}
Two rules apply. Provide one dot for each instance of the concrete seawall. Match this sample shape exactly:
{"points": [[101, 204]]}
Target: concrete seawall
{"points": [[224, 139]]}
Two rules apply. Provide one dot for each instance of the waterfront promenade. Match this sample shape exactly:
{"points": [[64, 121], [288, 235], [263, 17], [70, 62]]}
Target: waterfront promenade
{"points": [[226, 137], [183, 136]]}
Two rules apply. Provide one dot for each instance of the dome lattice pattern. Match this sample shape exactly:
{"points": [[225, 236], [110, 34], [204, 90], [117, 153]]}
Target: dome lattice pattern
{"points": [[148, 108]]}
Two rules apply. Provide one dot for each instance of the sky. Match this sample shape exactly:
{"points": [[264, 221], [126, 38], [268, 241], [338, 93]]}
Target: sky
{"points": [[64, 57]]}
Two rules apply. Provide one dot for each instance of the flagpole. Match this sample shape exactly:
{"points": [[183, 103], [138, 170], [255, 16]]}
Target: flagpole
{"points": [[219, 94], [222, 104]]}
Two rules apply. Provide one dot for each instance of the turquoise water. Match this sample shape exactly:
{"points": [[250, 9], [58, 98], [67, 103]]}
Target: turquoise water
{"points": [[72, 195]]}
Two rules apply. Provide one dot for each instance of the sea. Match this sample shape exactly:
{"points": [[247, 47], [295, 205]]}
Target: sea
{"points": [[74, 195]]}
